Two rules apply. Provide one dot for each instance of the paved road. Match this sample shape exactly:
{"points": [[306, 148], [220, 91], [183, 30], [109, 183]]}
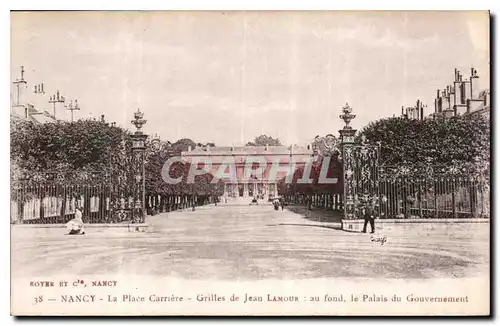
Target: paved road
{"points": [[236, 240]]}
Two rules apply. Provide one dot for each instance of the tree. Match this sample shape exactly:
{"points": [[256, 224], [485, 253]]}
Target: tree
{"points": [[84, 145], [456, 141], [264, 140], [182, 145]]}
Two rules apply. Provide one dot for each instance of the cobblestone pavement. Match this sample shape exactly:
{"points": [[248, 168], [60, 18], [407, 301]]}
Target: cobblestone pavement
{"points": [[247, 242]]}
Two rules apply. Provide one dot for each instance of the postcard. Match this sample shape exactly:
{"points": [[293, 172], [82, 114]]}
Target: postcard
{"points": [[250, 163]]}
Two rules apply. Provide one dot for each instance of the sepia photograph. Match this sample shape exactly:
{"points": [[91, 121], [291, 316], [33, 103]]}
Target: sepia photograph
{"points": [[250, 163]]}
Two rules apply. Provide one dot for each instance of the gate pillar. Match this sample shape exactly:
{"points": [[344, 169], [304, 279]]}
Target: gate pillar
{"points": [[347, 145], [138, 152]]}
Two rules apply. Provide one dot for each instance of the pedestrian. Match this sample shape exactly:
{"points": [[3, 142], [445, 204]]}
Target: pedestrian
{"points": [[276, 204], [369, 217], [75, 226], [282, 203]]}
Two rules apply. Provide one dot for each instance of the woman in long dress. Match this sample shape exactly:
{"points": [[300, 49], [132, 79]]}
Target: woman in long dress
{"points": [[75, 226]]}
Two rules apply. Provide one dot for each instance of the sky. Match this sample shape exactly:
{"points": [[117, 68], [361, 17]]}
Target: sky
{"points": [[226, 77]]}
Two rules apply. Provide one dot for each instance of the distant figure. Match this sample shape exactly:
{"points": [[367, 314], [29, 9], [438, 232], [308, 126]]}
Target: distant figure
{"points": [[369, 216], [276, 204], [75, 226], [282, 203]]}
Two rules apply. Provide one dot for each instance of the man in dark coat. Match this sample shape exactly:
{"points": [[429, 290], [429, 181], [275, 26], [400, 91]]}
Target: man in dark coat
{"points": [[369, 216]]}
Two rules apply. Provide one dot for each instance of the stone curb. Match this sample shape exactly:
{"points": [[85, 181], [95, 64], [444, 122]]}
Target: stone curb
{"points": [[423, 220], [87, 226], [357, 225]]}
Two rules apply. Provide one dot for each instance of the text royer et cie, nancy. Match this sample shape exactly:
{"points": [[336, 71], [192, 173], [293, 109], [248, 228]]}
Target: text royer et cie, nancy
{"points": [[98, 283]]}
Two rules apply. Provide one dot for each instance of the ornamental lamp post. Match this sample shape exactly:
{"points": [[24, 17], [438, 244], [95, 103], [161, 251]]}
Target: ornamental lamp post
{"points": [[138, 151]]}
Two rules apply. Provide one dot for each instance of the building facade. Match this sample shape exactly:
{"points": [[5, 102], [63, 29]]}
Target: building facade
{"points": [[255, 169], [462, 98], [25, 106], [459, 98]]}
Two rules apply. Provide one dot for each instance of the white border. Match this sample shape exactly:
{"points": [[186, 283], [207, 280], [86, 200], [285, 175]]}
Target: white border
{"points": [[185, 5]]}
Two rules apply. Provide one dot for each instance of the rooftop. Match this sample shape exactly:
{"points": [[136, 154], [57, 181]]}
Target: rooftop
{"points": [[249, 150]]}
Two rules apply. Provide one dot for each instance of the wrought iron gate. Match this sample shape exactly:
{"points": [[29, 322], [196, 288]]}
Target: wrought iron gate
{"points": [[361, 179]]}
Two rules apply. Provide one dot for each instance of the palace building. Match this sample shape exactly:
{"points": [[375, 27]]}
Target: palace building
{"points": [[257, 168]]}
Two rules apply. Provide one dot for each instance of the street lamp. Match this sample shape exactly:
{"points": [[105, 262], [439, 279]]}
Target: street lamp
{"points": [[138, 151]]}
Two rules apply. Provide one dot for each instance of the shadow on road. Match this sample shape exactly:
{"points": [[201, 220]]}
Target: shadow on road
{"points": [[317, 214], [338, 228]]}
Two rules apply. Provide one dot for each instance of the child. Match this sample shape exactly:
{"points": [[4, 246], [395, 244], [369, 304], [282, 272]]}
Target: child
{"points": [[75, 226]]}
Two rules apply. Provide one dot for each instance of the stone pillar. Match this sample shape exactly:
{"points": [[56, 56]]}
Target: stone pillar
{"points": [[347, 142]]}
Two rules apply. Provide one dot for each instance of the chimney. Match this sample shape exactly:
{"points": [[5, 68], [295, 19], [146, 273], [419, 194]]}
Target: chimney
{"points": [[473, 73], [438, 93], [189, 148]]}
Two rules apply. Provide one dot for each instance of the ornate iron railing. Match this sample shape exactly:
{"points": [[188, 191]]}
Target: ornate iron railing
{"points": [[433, 192]]}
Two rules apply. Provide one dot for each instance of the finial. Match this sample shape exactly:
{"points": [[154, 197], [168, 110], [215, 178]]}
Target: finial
{"points": [[138, 121], [347, 115]]}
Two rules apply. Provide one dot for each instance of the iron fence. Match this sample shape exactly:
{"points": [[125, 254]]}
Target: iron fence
{"points": [[434, 194], [53, 202]]}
